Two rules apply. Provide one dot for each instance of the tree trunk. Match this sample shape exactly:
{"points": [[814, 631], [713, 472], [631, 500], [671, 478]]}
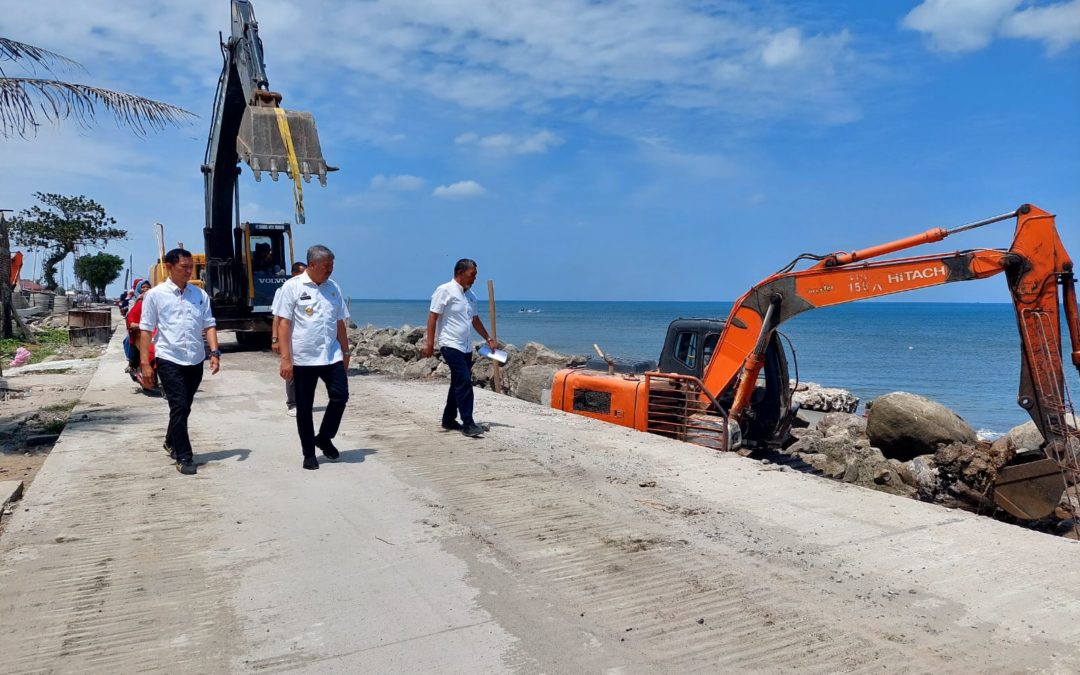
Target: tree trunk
{"points": [[49, 266], [5, 277], [7, 308]]}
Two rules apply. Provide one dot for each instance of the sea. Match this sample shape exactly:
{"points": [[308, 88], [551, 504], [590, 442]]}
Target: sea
{"points": [[965, 356]]}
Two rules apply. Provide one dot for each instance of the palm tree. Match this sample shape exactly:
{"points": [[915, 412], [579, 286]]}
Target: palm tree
{"points": [[23, 98]]}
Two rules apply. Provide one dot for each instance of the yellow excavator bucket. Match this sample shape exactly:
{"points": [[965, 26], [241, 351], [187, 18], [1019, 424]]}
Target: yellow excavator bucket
{"points": [[260, 144]]}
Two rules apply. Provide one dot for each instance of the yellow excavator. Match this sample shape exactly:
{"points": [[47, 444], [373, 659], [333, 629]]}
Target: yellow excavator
{"points": [[246, 262]]}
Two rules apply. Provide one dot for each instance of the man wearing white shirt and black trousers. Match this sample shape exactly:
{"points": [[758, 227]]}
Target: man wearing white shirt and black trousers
{"points": [[298, 268], [314, 346], [180, 312], [451, 318]]}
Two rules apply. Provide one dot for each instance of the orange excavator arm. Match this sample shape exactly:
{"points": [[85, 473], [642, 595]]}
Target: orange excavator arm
{"points": [[1035, 265]]}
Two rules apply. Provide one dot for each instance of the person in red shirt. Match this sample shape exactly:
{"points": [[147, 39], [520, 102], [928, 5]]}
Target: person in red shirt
{"points": [[132, 319]]}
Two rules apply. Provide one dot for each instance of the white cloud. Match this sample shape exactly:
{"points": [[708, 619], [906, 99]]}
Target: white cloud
{"points": [[525, 55], [970, 25], [460, 190], [505, 144], [1056, 25], [402, 182], [783, 49]]}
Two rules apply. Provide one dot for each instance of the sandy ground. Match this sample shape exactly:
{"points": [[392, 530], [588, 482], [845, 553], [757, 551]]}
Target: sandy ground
{"points": [[555, 544]]}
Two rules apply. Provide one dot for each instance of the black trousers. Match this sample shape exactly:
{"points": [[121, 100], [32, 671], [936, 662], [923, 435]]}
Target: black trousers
{"points": [[179, 384], [460, 397], [305, 380]]}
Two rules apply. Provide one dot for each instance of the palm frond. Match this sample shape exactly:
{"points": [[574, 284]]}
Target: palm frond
{"points": [[57, 100], [12, 50]]}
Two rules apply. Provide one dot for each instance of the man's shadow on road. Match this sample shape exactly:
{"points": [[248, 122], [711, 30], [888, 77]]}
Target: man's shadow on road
{"points": [[206, 457], [356, 456]]}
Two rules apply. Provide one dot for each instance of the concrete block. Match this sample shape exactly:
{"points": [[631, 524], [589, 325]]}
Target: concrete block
{"points": [[10, 491]]}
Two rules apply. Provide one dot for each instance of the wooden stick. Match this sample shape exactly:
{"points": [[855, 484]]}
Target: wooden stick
{"points": [[494, 336]]}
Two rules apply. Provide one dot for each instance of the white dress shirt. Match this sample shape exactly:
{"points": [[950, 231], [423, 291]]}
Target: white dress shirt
{"points": [[456, 308], [314, 310], [180, 317]]}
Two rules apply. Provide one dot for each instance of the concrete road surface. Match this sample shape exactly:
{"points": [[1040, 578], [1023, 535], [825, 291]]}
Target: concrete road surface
{"points": [[553, 545]]}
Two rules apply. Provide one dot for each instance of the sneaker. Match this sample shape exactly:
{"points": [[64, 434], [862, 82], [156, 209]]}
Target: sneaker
{"points": [[172, 453], [328, 449], [186, 466], [473, 431], [452, 426], [311, 463], [291, 412]]}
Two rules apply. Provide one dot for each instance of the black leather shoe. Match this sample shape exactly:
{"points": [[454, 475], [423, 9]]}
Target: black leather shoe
{"points": [[453, 426], [327, 448], [186, 466], [473, 431], [311, 463]]}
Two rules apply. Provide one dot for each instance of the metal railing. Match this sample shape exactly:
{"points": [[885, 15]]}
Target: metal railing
{"points": [[686, 411]]}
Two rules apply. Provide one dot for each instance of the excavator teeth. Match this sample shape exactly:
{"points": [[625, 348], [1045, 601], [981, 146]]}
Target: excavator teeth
{"points": [[259, 142]]}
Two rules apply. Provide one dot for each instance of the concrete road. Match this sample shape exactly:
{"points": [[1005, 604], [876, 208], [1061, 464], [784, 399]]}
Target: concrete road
{"points": [[555, 544]]}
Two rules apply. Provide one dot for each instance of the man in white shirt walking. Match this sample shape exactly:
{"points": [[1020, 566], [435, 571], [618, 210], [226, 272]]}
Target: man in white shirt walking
{"points": [[298, 268], [180, 312], [314, 346], [451, 318]]}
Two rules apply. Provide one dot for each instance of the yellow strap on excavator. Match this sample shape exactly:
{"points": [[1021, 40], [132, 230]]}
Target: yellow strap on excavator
{"points": [[294, 166]]}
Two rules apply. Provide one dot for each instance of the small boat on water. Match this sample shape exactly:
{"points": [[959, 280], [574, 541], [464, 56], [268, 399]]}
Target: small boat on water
{"points": [[526, 310]]}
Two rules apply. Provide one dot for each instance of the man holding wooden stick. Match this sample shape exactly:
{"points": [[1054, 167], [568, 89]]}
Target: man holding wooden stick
{"points": [[451, 318]]}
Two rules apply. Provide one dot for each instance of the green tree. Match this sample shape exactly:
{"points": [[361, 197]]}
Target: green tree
{"points": [[98, 271], [63, 225]]}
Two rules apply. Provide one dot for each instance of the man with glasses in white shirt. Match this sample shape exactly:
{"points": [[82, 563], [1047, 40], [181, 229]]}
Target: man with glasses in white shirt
{"points": [[314, 345], [181, 313], [451, 318]]}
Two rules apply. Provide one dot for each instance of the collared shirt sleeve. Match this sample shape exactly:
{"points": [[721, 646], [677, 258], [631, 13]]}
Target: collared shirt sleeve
{"points": [[284, 301], [277, 296], [208, 320], [342, 312], [149, 318], [439, 300]]}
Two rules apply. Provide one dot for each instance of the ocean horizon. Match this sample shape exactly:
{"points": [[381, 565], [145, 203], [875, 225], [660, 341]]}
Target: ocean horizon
{"points": [[965, 356]]}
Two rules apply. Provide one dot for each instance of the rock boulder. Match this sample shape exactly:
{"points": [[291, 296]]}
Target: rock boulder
{"points": [[905, 426]]}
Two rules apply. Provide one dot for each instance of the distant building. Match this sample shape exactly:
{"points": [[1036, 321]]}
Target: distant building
{"points": [[30, 286]]}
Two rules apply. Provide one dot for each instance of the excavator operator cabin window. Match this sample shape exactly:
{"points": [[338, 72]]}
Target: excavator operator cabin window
{"points": [[710, 346], [686, 348], [262, 256]]}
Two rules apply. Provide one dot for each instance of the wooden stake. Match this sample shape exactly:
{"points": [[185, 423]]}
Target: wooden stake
{"points": [[494, 336]]}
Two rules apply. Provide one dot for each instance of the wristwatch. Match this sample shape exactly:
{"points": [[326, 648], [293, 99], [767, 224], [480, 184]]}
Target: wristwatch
{"points": [[216, 352]]}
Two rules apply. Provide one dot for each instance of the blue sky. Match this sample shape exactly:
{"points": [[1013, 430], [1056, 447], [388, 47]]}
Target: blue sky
{"points": [[590, 150]]}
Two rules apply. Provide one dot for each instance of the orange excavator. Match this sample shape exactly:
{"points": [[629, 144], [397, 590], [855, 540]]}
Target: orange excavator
{"points": [[724, 384]]}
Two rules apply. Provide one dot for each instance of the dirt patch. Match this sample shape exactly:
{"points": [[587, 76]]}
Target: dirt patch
{"points": [[34, 409]]}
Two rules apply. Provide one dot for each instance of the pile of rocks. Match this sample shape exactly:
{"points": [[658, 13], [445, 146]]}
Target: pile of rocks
{"points": [[397, 351], [912, 446]]}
